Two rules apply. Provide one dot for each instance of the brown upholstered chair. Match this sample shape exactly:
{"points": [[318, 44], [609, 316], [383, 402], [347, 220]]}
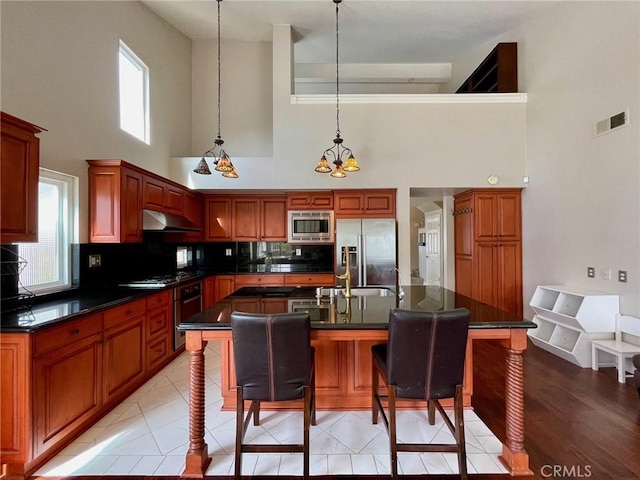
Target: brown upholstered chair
{"points": [[636, 372], [274, 362], [423, 359]]}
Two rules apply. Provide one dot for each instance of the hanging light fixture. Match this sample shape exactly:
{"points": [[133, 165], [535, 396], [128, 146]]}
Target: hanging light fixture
{"points": [[221, 161], [338, 151]]}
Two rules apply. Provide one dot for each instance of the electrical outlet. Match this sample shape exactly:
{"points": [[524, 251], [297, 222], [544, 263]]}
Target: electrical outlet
{"points": [[298, 252], [227, 252], [622, 276], [605, 274], [95, 260], [591, 272]]}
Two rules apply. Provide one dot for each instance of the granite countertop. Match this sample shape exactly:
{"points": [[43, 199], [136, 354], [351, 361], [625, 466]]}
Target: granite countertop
{"points": [[364, 312], [72, 305]]}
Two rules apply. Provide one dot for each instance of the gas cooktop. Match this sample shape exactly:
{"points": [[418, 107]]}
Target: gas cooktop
{"points": [[159, 281]]}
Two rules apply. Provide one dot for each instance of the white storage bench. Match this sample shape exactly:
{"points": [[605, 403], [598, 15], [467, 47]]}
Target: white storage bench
{"points": [[625, 345]]}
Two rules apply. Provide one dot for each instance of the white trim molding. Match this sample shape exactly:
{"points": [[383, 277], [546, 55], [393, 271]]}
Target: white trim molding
{"points": [[408, 98]]}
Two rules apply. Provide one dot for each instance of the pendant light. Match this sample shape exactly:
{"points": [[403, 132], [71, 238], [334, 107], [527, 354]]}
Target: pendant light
{"points": [[222, 161], [338, 151]]}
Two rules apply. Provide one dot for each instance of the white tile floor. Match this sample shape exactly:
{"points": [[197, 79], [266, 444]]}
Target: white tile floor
{"points": [[147, 434]]}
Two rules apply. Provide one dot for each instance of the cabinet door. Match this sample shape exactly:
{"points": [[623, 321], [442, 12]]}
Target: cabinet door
{"points": [[247, 306], [217, 219], [310, 279], [267, 280], [245, 215], [463, 226], [484, 211], [485, 273], [508, 217], [348, 203], [67, 390], [273, 213], [274, 305], [123, 357], [19, 163], [153, 193], [209, 291], [131, 211], [509, 277], [224, 285], [174, 200], [380, 203]]}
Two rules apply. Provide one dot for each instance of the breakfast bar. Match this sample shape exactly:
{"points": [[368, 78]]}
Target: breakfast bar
{"points": [[343, 330]]}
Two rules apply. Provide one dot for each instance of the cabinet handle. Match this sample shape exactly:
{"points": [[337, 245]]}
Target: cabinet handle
{"points": [[75, 331]]}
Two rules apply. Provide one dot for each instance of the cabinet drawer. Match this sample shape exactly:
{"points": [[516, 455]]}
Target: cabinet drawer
{"points": [[61, 335], [259, 280], [317, 279], [157, 351], [157, 322], [115, 315], [159, 300]]}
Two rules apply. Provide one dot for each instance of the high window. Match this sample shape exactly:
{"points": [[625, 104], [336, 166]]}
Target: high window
{"points": [[134, 94], [48, 261]]}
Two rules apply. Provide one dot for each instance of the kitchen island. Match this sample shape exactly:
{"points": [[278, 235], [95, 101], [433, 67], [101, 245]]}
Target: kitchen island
{"points": [[343, 331]]}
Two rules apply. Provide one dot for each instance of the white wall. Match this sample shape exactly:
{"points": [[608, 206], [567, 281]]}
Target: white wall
{"points": [[582, 207], [246, 105], [60, 71]]}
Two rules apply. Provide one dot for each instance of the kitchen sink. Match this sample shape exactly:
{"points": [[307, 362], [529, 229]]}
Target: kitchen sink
{"points": [[358, 292]]}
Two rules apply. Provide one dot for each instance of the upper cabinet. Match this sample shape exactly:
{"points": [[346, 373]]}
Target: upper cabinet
{"points": [[259, 218], [310, 201], [162, 196], [115, 202], [498, 72], [19, 170], [217, 218], [377, 203], [119, 191]]}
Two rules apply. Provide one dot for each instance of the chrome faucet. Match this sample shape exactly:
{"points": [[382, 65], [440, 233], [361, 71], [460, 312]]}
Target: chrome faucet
{"points": [[347, 275], [400, 292]]}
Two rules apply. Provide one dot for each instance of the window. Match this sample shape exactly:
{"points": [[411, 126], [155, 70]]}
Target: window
{"points": [[48, 261], [134, 94]]}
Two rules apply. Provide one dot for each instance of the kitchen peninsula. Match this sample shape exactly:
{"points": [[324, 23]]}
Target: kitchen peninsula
{"points": [[343, 331]]}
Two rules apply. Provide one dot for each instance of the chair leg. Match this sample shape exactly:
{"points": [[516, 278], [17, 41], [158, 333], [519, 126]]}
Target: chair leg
{"points": [[431, 407], [393, 444], [375, 384], [460, 439], [239, 430], [307, 420], [622, 373], [313, 397], [256, 413]]}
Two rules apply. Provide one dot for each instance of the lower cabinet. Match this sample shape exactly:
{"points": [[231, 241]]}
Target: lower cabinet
{"points": [[58, 381], [67, 390]]}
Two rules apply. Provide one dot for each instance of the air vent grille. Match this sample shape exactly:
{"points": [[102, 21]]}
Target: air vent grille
{"points": [[609, 124]]}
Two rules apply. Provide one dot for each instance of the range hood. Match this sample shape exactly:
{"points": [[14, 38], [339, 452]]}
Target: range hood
{"points": [[153, 221]]}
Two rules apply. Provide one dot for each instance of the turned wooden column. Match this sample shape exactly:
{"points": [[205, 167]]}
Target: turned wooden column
{"points": [[197, 459], [514, 456]]}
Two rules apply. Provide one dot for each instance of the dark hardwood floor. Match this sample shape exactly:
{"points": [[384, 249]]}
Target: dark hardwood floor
{"points": [[579, 424]]}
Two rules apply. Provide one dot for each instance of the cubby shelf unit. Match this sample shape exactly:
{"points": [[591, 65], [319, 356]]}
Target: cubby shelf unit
{"points": [[569, 318]]}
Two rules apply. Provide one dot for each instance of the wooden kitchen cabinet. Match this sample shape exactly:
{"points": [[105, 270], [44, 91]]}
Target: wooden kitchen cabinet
{"points": [[162, 196], [310, 279], [124, 348], [259, 218], [115, 202], [488, 247], [216, 287], [158, 329], [19, 174], [217, 217], [67, 390], [310, 201], [376, 203], [252, 280]]}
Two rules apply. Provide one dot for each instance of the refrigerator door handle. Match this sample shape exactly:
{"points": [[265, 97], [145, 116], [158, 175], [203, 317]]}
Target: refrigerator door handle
{"points": [[362, 257]]}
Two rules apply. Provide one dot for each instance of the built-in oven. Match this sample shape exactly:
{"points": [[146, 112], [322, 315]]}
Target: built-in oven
{"points": [[318, 310], [187, 301]]}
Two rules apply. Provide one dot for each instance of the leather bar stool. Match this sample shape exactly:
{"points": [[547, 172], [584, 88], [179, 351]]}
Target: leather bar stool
{"points": [[424, 360], [274, 362]]}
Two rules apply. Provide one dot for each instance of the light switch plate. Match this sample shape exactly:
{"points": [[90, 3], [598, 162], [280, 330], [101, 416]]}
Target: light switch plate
{"points": [[95, 260]]}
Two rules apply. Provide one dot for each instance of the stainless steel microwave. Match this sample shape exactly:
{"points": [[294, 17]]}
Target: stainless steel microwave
{"points": [[310, 226]]}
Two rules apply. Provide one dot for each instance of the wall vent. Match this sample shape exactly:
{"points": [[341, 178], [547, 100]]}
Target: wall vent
{"points": [[609, 124]]}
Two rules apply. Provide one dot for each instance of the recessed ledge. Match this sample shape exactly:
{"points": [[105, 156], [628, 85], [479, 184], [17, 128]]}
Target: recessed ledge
{"points": [[409, 98]]}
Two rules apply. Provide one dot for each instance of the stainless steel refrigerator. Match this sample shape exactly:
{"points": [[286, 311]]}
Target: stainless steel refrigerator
{"points": [[372, 244]]}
